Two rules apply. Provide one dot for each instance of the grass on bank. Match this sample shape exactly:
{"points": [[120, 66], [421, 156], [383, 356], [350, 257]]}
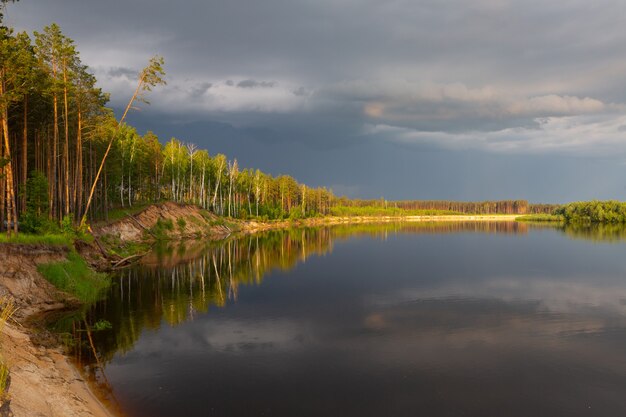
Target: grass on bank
{"points": [[117, 247], [74, 276], [121, 212], [53, 239], [539, 218]]}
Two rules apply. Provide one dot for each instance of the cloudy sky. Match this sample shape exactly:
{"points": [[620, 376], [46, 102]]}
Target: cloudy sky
{"points": [[404, 99]]}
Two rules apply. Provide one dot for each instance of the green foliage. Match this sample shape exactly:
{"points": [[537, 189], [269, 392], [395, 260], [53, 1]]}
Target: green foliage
{"points": [[539, 218], [161, 229], [597, 232], [296, 214], [115, 246], [67, 224], [182, 224], [152, 75], [594, 212], [4, 379], [53, 239], [101, 325], [121, 212], [75, 277], [35, 219]]}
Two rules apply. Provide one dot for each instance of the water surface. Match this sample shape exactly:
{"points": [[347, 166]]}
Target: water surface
{"points": [[477, 319]]}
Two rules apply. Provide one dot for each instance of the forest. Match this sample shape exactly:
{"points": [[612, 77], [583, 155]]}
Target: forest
{"points": [[593, 212], [56, 130], [64, 155]]}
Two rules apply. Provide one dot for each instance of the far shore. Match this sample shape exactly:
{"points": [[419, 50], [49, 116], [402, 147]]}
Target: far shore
{"points": [[252, 226], [463, 218]]}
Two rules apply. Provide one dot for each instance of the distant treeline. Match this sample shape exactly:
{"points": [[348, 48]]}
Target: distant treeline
{"points": [[594, 212], [454, 207]]}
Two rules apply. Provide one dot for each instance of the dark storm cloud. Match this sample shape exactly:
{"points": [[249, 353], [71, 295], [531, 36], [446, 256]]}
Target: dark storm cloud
{"points": [[255, 84], [498, 76], [200, 89], [116, 72]]}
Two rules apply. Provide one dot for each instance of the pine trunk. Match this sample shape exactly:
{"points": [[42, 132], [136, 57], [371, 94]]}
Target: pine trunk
{"points": [[24, 167]]}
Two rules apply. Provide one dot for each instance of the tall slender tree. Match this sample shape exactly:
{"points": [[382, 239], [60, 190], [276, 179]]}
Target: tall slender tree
{"points": [[14, 62], [149, 77]]}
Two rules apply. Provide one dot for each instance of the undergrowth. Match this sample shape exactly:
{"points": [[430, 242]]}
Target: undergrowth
{"points": [[74, 276], [54, 239]]}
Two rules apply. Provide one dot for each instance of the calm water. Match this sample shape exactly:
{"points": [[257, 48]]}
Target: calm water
{"points": [[415, 320]]}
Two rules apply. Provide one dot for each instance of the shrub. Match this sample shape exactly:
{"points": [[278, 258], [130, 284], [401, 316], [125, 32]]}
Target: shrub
{"points": [[161, 228], [296, 214]]}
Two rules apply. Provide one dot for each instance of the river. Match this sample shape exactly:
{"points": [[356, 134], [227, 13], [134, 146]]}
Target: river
{"points": [[456, 319]]}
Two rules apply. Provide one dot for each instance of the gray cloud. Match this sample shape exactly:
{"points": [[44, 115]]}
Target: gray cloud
{"points": [[300, 91], [200, 89], [117, 72], [255, 84]]}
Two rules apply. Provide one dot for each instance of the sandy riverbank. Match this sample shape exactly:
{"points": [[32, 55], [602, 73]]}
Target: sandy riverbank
{"points": [[192, 222], [252, 226], [43, 381]]}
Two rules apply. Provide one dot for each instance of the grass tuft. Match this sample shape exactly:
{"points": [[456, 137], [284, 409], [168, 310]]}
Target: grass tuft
{"points": [[76, 277]]}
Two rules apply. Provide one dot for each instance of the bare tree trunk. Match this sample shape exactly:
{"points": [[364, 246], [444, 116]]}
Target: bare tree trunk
{"points": [[55, 150], [24, 155], [201, 196], [178, 187], [230, 191], [49, 175], [130, 166], [78, 188], [66, 147], [10, 184], [122, 183], [3, 192], [217, 185]]}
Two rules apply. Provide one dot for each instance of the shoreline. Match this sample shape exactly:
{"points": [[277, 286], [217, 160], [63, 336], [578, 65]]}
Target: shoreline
{"points": [[252, 226], [44, 380]]}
